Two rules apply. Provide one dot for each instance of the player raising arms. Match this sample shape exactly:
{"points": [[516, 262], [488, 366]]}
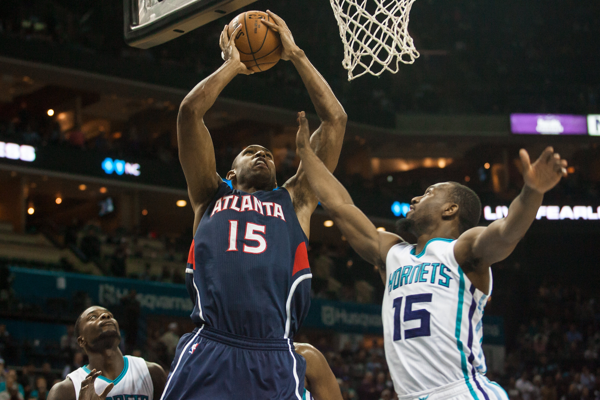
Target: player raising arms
{"points": [[248, 272], [437, 288], [109, 373]]}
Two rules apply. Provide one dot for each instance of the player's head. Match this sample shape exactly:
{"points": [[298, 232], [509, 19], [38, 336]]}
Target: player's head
{"points": [[253, 167], [443, 202], [96, 329]]}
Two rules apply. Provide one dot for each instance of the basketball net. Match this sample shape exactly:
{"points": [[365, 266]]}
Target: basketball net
{"points": [[375, 41]]}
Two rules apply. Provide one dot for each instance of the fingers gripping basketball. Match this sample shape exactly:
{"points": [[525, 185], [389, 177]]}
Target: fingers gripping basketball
{"points": [[259, 46]]}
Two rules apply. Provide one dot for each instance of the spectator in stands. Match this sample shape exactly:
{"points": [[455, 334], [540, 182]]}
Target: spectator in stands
{"points": [[526, 388], [368, 390], [147, 274], [78, 362], [90, 244], [47, 372], [3, 371], [41, 389], [68, 343], [587, 379], [11, 387], [573, 335], [166, 274], [171, 338], [5, 343], [130, 322], [118, 264], [27, 378]]}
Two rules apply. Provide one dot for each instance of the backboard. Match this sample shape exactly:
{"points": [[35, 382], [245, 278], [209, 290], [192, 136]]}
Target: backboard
{"points": [[151, 22]]}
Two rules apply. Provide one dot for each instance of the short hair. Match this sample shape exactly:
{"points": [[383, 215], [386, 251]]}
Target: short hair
{"points": [[469, 206]]}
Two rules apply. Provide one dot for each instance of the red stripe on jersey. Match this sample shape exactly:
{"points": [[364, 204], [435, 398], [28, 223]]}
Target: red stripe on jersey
{"points": [[191, 256], [300, 259]]}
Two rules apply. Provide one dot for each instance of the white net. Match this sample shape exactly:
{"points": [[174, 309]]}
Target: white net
{"points": [[375, 35]]}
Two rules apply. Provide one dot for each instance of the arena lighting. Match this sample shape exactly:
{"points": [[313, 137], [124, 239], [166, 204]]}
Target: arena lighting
{"points": [[552, 213], [82, 187], [14, 151], [486, 165], [181, 203], [328, 223], [144, 212], [30, 210], [381, 229], [103, 189], [400, 209], [120, 167], [593, 122], [50, 112], [58, 200]]}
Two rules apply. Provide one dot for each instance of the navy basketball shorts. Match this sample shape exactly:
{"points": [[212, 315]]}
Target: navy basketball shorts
{"points": [[215, 365]]}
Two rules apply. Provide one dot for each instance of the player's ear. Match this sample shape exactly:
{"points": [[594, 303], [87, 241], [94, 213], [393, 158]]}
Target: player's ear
{"points": [[230, 175], [450, 210], [81, 342]]}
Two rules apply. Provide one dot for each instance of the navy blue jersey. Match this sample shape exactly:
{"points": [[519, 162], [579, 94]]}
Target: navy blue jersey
{"points": [[248, 271]]}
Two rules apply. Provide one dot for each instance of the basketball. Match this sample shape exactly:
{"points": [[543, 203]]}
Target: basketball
{"points": [[260, 48]]}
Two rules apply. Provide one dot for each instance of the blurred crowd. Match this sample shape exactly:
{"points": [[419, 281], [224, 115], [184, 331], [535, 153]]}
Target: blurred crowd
{"points": [[555, 355], [476, 57]]}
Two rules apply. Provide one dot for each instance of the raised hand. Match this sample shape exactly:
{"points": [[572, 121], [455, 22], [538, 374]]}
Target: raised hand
{"points": [[290, 49], [545, 172], [88, 391], [229, 51], [303, 135]]}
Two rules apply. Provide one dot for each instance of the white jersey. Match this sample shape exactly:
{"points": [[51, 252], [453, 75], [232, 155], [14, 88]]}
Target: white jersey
{"points": [[133, 383], [432, 325]]}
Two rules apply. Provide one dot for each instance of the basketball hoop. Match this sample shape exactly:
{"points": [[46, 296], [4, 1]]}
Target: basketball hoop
{"points": [[375, 40]]}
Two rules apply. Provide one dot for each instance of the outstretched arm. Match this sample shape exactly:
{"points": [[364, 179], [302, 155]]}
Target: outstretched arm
{"points": [[328, 138], [480, 247], [369, 243], [196, 151]]}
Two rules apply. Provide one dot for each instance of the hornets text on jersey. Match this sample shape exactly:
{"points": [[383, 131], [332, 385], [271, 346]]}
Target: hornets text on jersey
{"points": [[432, 319]]}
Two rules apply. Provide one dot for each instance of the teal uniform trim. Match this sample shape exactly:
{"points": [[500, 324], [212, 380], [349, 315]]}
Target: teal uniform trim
{"points": [[427, 244], [119, 378], [459, 344]]}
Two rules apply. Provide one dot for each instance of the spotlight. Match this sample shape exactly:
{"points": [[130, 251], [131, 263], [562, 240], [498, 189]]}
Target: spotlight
{"points": [[82, 187], [58, 200], [50, 112], [181, 203], [328, 223]]}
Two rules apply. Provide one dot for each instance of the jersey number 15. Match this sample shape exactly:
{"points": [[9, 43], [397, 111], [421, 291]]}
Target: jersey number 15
{"points": [[252, 234], [411, 315]]}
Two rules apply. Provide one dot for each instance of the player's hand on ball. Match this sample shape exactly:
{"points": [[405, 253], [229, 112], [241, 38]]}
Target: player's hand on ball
{"points": [[303, 135], [230, 52], [88, 391], [545, 172], [290, 49]]}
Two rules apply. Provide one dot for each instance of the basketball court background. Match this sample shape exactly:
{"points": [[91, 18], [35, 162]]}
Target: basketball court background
{"points": [[446, 117]]}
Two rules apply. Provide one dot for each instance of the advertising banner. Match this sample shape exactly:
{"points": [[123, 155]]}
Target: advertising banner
{"points": [[548, 124], [36, 287]]}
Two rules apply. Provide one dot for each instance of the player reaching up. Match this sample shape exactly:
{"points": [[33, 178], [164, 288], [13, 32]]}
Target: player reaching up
{"points": [[248, 272], [437, 288], [109, 375]]}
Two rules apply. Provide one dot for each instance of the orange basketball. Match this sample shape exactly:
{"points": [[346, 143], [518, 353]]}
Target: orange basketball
{"points": [[260, 48]]}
